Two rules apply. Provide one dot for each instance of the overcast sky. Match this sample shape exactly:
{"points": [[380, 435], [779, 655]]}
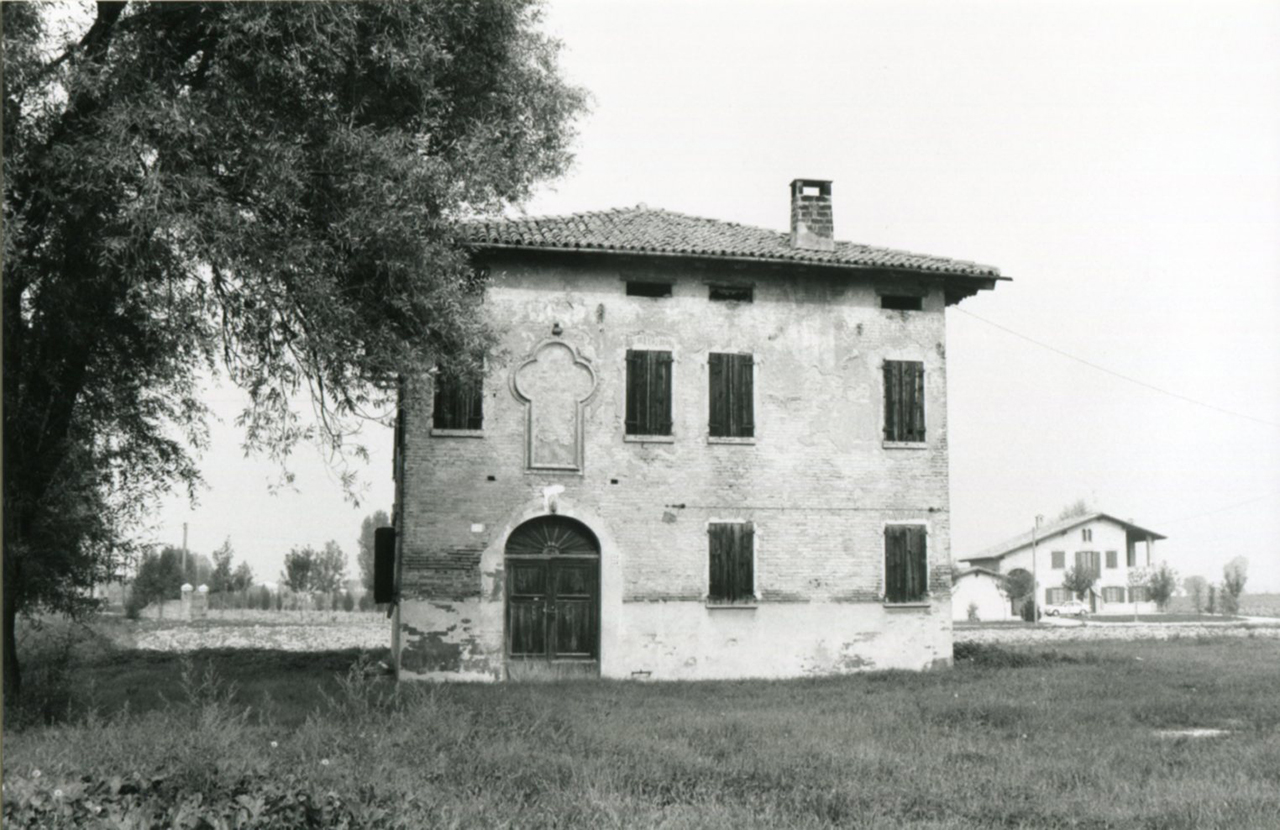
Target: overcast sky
{"points": [[1119, 160]]}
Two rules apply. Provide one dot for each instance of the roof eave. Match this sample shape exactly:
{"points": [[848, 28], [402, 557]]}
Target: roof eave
{"points": [[986, 281]]}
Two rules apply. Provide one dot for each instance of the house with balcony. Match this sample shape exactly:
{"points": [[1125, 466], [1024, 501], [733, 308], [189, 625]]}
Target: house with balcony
{"points": [[700, 450], [1114, 550]]}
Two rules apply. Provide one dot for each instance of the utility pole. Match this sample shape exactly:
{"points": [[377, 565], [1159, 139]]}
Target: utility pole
{"points": [[1035, 578], [184, 552]]}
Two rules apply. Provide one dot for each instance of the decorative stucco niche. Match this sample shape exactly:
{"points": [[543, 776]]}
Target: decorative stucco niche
{"points": [[553, 383]]}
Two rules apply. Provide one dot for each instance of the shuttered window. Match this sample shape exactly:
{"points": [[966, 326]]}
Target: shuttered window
{"points": [[1112, 559], [903, 400], [906, 565], [1056, 596], [1138, 593], [648, 392], [732, 410], [459, 403], [1113, 594], [1058, 559], [1089, 561], [731, 548]]}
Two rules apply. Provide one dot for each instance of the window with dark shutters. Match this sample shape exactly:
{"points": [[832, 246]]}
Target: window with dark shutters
{"points": [[904, 401], [906, 565], [1089, 561], [1058, 559], [459, 403], [732, 410], [731, 547], [1111, 559], [648, 392]]}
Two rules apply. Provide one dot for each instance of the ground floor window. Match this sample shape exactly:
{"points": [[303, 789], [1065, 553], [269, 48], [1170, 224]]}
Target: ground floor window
{"points": [[732, 558], [906, 564], [1056, 596], [1138, 593], [1113, 594]]}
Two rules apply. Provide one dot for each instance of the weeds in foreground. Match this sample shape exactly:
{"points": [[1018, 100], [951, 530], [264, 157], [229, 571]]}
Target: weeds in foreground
{"points": [[1009, 738]]}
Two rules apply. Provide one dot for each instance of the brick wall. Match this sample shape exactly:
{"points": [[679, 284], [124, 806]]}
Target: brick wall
{"points": [[818, 482]]}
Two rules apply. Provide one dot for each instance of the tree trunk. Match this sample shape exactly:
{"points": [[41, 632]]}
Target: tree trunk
{"points": [[12, 672]]}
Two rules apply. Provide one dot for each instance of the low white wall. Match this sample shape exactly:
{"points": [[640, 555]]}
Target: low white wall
{"points": [[979, 590], [690, 641]]}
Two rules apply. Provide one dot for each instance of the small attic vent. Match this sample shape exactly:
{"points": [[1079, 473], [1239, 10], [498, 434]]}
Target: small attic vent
{"points": [[635, 288], [898, 302], [732, 293]]}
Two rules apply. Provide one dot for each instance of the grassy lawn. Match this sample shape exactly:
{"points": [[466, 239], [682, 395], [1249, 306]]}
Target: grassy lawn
{"points": [[1009, 738]]}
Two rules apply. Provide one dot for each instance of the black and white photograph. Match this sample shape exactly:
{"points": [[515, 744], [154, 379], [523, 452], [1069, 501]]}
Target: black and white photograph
{"points": [[641, 414]]}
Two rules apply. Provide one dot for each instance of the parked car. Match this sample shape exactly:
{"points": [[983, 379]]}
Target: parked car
{"points": [[1070, 608]]}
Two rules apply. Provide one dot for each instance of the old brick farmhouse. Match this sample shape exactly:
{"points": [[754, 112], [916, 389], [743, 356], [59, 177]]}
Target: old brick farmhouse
{"points": [[702, 450]]}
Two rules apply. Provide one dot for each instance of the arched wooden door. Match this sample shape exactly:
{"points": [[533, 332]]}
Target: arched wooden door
{"points": [[553, 599]]}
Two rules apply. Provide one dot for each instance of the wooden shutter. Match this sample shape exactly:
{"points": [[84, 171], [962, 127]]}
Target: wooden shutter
{"points": [[892, 399], [719, 542], [719, 394], [660, 393], [895, 554], [743, 576], [743, 407], [915, 411], [917, 581], [475, 405], [636, 386], [1111, 559]]}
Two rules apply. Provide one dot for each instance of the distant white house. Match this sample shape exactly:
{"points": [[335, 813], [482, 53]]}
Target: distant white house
{"points": [[1112, 548], [979, 589]]}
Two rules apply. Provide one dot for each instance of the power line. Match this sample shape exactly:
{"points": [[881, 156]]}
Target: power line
{"points": [[1115, 373], [1217, 509]]}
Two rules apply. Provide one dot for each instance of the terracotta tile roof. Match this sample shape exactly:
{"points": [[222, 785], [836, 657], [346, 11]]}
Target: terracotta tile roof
{"points": [[1022, 540], [642, 230]]}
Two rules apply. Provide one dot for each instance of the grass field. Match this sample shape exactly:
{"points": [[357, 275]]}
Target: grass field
{"points": [[1009, 738]]}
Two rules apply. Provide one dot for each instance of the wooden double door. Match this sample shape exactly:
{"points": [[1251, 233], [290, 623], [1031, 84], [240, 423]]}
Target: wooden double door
{"points": [[553, 599]]}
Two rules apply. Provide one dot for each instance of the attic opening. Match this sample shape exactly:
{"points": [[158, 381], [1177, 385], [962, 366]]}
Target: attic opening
{"points": [[899, 302], [732, 293], [639, 288]]}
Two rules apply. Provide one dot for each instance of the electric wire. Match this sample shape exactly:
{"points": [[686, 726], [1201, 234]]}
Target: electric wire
{"points": [[1114, 373]]}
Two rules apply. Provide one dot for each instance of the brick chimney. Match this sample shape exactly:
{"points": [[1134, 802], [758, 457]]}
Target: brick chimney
{"points": [[811, 226]]}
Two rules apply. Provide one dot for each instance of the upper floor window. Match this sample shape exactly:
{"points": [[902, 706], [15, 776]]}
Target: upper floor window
{"points": [[1058, 559], [637, 288], [1086, 534], [1087, 561], [731, 293], [732, 410], [1131, 556], [906, 563], [459, 403], [1112, 559], [648, 392], [904, 400], [731, 553], [898, 302]]}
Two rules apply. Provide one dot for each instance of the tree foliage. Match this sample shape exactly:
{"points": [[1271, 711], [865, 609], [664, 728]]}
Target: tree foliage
{"points": [[1079, 507], [242, 577], [220, 579], [272, 188], [1079, 581], [364, 558], [1162, 581], [1197, 588], [299, 564], [1234, 575], [1016, 584], [330, 571], [159, 577]]}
